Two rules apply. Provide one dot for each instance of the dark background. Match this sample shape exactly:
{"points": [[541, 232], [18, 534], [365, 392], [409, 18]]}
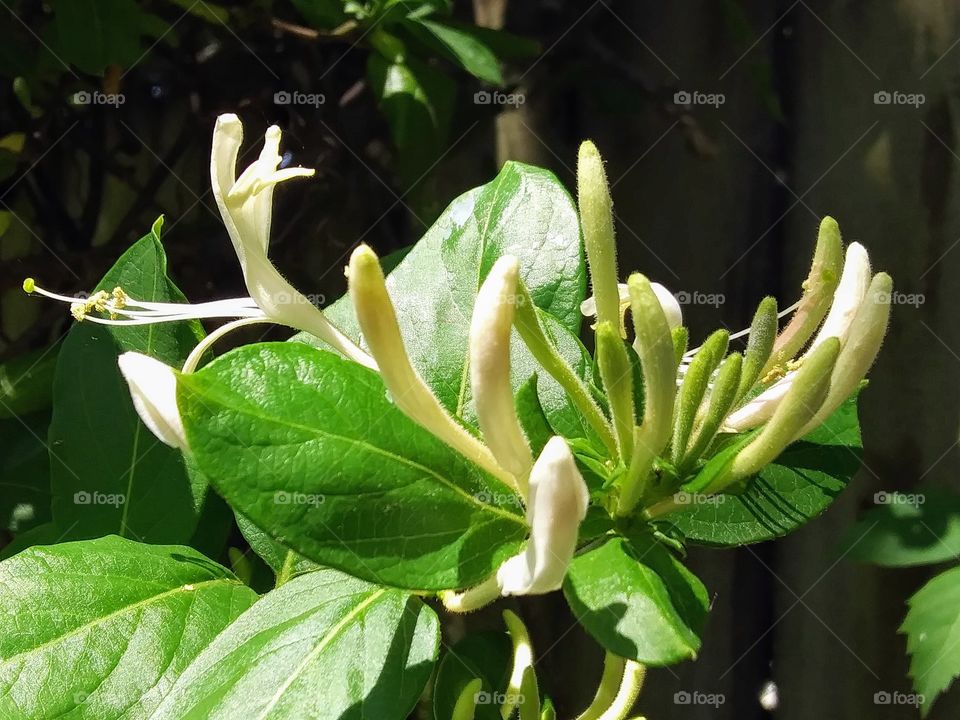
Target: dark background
{"points": [[718, 199]]}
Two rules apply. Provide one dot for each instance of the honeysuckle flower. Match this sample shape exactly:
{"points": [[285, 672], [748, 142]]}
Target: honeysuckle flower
{"points": [[489, 348], [246, 206], [847, 300], [378, 323], [557, 504], [668, 302], [153, 388]]}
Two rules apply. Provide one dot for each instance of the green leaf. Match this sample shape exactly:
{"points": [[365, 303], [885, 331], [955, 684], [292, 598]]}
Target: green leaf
{"points": [[908, 529], [638, 601], [325, 645], [45, 534], [798, 486], [306, 445], [24, 473], [323, 14], [525, 212], [932, 627], [471, 53], [26, 383], [417, 101], [486, 656], [101, 629], [285, 562], [109, 474], [92, 34]]}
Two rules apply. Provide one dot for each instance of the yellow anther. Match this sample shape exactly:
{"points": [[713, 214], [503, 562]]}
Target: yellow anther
{"points": [[79, 311], [119, 298]]}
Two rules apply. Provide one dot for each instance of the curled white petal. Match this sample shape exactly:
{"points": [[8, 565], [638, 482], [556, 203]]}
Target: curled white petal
{"points": [[153, 387], [759, 409], [557, 504], [668, 301], [851, 290]]}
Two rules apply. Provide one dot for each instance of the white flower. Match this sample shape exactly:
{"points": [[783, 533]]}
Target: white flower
{"points": [[668, 301], [847, 301], [246, 205], [490, 330], [153, 387], [558, 503]]}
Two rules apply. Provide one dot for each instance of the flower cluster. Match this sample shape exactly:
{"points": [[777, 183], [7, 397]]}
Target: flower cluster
{"points": [[784, 384]]}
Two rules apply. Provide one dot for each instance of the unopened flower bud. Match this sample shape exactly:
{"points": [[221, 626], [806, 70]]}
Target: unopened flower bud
{"points": [[763, 334], [694, 388], [490, 329], [596, 214], [153, 387], [616, 373]]}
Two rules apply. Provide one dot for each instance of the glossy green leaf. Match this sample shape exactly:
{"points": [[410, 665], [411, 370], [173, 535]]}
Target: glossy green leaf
{"points": [[92, 34], [907, 529], [524, 212], [44, 534], [485, 656], [471, 53], [307, 445], [24, 473], [325, 646], [285, 562], [800, 485], [638, 601], [100, 629], [932, 627], [109, 474], [26, 383]]}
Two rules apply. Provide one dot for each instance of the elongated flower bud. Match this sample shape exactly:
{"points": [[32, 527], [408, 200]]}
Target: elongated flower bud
{"points": [[490, 331], [545, 353], [616, 373], [722, 398], [668, 301], [864, 338], [378, 321], [849, 295], [818, 290], [763, 334], [694, 388], [681, 338], [558, 503], [799, 406], [596, 216], [654, 345], [153, 387], [522, 664]]}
